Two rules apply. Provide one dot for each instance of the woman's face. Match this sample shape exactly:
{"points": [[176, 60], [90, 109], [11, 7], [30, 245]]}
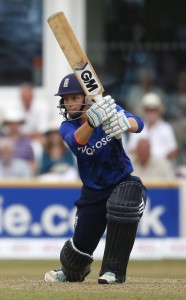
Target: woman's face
{"points": [[73, 103]]}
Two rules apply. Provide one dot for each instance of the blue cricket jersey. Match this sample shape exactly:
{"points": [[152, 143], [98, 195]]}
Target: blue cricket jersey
{"points": [[102, 162]]}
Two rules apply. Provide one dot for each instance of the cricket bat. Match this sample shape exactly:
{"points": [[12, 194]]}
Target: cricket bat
{"points": [[76, 56]]}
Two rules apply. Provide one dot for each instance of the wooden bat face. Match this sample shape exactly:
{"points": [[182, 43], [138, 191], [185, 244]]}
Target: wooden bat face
{"points": [[75, 55]]}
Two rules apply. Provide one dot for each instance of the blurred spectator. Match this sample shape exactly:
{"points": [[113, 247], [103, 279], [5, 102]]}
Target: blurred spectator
{"points": [[159, 132], [37, 117], [36, 112], [57, 161], [11, 167], [146, 84], [13, 119], [177, 100], [148, 166], [176, 114], [1, 120]]}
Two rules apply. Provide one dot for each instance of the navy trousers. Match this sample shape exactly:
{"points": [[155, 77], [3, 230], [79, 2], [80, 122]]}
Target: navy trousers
{"points": [[91, 216]]}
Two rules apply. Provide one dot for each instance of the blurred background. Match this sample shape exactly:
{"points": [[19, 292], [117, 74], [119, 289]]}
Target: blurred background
{"points": [[135, 46], [138, 49]]}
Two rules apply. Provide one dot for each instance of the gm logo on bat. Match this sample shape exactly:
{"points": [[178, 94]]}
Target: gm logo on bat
{"points": [[88, 79]]}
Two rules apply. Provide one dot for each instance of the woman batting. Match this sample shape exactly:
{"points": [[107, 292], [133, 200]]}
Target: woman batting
{"points": [[110, 196]]}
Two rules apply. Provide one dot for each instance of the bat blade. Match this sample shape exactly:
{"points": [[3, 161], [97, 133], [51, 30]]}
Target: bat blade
{"points": [[75, 55]]}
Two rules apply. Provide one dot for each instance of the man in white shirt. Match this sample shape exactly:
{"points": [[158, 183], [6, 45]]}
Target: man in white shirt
{"points": [[36, 118], [37, 112], [148, 166], [159, 132], [12, 167]]}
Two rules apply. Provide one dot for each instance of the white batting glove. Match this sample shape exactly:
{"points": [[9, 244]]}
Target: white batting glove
{"points": [[101, 111], [117, 124]]}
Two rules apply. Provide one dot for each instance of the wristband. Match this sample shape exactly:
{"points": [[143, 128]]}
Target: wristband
{"points": [[90, 124]]}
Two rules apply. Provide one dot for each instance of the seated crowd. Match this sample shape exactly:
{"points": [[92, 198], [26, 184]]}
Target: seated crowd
{"points": [[31, 146], [30, 143]]}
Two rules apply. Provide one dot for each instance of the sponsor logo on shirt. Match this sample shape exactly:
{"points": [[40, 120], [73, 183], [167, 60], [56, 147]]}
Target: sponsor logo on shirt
{"points": [[99, 144]]}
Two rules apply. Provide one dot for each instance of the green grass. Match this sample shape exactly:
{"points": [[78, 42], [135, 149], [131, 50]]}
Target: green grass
{"points": [[154, 280]]}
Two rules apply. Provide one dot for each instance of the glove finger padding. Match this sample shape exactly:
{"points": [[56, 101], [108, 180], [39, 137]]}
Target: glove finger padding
{"points": [[116, 133], [106, 105], [101, 103], [110, 109], [107, 98], [116, 124], [109, 115], [110, 123], [122, 120], [109, 126], [100, 111]]}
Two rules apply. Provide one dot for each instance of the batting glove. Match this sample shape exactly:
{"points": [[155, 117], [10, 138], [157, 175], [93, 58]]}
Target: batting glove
{"points": [[117, 124], [101, 111]]}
